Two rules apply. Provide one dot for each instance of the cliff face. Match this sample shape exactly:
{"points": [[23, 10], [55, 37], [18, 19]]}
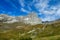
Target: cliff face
{"points": [[32, 18]]}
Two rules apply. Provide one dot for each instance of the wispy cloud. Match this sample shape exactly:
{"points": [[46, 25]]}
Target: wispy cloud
{"points": [[22, 3], [50, 12], [10, 2], [24, 10]]}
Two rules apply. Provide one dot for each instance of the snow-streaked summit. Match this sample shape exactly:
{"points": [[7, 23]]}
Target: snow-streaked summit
{"points": [[7, 19], [31, 18]]}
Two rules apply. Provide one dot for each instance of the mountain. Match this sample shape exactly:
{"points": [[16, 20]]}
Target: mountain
{"points": [[7, 19], [31, 18]]}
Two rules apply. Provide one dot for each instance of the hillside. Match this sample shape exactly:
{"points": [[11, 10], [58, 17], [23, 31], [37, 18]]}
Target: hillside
{"points": [[21, 31]]}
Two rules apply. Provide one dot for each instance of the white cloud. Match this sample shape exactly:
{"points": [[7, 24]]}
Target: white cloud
{"points": [[48, 18], [21, 3], [24, 10], [43, 7], [48, 12], [42, 4], [58, 12]]}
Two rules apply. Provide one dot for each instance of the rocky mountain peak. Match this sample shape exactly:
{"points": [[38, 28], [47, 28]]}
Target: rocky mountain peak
{"points": [[31, 18]]}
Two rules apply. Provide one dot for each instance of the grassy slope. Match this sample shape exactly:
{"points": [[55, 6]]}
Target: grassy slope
{"points": [[43, 32], [51, 32]]}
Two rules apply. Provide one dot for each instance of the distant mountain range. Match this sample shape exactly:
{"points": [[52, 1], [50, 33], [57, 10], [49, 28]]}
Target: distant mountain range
{"points": [[31, 18]]}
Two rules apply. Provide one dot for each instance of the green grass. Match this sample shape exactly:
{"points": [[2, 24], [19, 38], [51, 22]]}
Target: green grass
{"points": [[50, 32]]}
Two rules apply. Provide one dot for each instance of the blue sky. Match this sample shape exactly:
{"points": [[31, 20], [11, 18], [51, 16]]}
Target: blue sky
{"points": [[47, 10]]}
